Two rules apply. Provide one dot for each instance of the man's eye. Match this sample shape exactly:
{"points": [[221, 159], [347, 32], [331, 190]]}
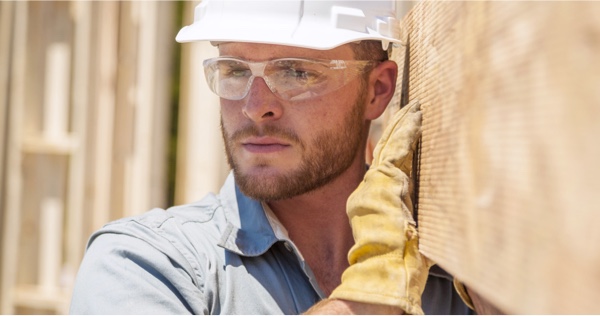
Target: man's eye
{"points": [[297, 73], [237, 72], [300, 74]]}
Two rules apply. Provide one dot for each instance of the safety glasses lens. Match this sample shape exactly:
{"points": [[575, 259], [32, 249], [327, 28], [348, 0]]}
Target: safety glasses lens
{"points": [[289, 78], [228, 78]]}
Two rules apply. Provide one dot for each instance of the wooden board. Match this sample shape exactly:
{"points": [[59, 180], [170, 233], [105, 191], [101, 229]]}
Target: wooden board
{"points": [[508, 179], [12, 188]]}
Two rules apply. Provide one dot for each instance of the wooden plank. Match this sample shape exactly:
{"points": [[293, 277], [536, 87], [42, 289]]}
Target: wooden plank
{"points": [[75, 235], [50, 242], [6, 32], [42, 299], [163, 102], [37, 38], [12, 207], [6, 14], [56, 94], [138, 166], [106, 58], [64, 145], [508, 172], [125, 110]]}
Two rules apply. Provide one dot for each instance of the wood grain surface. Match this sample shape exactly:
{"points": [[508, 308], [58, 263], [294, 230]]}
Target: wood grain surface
{"points": [[508, 179]]}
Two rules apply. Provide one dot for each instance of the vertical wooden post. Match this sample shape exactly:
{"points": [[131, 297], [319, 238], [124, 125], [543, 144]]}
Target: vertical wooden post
{"points": [[74, 238], [6, 30], [164, 33], [56, 92], [12, 206], [54, 129], [145, 166], [137, 197], [105, 107], [6, 14], [50, 242]]}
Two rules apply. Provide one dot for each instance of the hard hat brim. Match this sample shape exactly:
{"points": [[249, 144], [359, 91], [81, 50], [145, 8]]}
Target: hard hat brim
{"points": [[327, 39]]}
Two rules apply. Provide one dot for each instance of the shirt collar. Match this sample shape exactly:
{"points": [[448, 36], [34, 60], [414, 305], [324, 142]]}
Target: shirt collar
{"points": [[248, 231]]}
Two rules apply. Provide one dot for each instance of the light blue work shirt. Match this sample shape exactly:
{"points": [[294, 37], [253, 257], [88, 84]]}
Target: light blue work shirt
{"points": [[221, 255]]}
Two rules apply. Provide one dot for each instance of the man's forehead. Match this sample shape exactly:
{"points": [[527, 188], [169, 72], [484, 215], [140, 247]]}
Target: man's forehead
{"points": [[258, 51]]}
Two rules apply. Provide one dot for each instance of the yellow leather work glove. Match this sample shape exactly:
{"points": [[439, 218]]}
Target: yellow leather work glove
{"points": [[385, 264]]}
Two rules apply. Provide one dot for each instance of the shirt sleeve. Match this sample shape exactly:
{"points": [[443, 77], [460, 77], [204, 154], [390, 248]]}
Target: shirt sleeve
{"points": [[123, 274]]}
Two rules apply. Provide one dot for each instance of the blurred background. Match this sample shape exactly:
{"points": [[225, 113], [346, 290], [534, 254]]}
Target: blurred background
{"points": [[102, 115]]}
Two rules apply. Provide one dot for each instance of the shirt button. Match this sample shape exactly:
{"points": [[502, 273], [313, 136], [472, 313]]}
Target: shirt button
{"points": [[288, 246]]}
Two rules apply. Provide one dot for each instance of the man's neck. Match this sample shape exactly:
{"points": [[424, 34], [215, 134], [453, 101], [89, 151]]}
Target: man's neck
{"points": [[318, 225]]}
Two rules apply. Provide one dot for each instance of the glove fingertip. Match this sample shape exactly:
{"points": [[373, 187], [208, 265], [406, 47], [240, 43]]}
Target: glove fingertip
{"points": [[414, 105]]}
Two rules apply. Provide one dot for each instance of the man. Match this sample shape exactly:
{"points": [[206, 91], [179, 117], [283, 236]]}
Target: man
{"points": [[299, 83]]}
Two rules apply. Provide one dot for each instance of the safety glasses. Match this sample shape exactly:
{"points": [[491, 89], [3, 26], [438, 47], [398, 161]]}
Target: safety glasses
{"points": [[288, 78]]}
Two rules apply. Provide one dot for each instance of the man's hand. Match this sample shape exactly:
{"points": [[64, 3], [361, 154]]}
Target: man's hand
{"points": [[386, 268]]}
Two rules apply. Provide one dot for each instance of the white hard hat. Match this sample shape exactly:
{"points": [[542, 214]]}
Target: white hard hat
{"points": [[314, 24]]}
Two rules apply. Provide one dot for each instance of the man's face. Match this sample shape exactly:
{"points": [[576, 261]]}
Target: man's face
{"points": [[279, 149]]}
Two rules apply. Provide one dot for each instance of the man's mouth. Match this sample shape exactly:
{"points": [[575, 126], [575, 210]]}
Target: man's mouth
{"points": [[264, 145]]}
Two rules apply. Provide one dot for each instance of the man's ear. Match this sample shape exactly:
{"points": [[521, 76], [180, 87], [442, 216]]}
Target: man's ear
{"points": [[381, 88]]}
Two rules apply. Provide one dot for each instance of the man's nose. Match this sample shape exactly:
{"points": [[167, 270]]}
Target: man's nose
{"points": [[260, 103]]}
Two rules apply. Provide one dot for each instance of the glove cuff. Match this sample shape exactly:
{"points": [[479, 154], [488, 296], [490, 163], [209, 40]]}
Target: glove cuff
{"points": [[396, 278], [408, 305], [393, 279]]}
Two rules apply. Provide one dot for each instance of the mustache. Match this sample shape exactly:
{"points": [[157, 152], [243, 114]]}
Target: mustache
{"points": [[252, 130]]}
